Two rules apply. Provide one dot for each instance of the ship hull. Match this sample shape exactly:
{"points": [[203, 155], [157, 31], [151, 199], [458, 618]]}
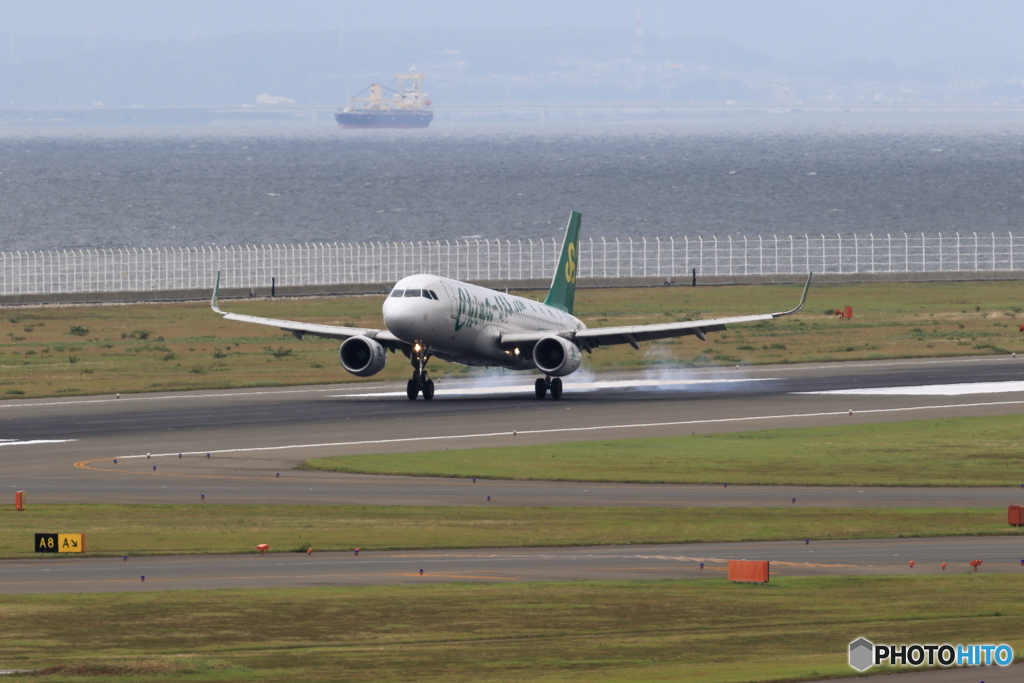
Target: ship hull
{"points": [[384, 119]]}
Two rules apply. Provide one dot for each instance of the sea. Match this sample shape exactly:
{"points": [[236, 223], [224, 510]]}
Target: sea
{"points": [[93, 188]]}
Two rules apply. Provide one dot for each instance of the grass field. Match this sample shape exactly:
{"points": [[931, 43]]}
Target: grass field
{"points": [[204, 529], [975, 451], [76, 350], [698, 631]]}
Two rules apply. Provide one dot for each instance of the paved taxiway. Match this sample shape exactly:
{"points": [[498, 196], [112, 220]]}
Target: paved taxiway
{"points": [[253, 435], [862, 557]]}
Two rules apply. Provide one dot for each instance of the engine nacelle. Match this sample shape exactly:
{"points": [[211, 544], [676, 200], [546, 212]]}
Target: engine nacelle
{"points": [[556, 356], [362, 356]]}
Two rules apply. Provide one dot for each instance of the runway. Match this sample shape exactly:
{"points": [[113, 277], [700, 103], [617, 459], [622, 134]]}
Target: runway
{"points": [[63, 450], [820, 558]]}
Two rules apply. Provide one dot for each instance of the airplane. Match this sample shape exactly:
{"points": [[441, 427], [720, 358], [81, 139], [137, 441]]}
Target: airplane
{"points": [[431, 316]]}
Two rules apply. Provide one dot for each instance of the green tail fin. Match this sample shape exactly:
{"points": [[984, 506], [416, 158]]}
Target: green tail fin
{"points": [[563, 284]]}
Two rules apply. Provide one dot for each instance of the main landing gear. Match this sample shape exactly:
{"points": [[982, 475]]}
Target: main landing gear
{"points": [[419, 382], [545, 384]]}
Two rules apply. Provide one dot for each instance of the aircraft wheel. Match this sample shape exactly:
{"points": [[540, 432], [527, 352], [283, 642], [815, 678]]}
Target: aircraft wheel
{"points": [[411, 389], [428, 390], [540, 387], [556, 388]]}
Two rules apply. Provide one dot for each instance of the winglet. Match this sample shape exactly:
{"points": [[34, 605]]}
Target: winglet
{"points": [[803, 298], [216, 294]]}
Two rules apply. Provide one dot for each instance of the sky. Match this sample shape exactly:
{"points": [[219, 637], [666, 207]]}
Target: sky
{"points": [[906, 31]]}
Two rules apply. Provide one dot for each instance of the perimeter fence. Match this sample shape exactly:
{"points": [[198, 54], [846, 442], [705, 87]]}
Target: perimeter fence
{"points": [[374, 263]]}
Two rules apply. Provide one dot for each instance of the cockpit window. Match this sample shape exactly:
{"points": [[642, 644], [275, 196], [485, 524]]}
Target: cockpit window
{"points": [[412, 292], [433, 294], [397, 292], [426, 294]]}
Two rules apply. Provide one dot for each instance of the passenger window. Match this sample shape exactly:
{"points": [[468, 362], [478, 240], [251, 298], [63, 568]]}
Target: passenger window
{"points": [[412, 292], [397, 293]]}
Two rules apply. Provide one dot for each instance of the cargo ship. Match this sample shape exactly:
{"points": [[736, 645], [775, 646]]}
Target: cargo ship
{"points": [[407, 108]]}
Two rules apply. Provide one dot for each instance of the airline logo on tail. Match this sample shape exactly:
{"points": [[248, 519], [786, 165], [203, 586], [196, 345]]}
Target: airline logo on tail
{"points": [[570, 264]]}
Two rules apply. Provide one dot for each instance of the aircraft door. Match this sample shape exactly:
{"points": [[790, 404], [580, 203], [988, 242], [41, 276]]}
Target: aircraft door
{"points": [[453, 299]]}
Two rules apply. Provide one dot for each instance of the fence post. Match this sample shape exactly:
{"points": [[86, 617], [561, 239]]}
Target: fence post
{"points": [[672, 257], [975, 250]]}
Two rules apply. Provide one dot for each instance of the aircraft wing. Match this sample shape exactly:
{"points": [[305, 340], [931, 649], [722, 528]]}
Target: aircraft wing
{"points": [[300, 329], [634, 334]]}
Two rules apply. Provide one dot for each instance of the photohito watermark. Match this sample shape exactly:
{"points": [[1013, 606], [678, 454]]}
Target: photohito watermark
{"points": [[864, 654]]}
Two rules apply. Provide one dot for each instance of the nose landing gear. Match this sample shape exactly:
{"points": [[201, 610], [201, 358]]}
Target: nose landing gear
{"points": [[545, 384], [419, 382]]}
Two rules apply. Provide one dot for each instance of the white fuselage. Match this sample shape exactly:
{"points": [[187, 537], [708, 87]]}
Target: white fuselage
{"points": [[464, 323]]}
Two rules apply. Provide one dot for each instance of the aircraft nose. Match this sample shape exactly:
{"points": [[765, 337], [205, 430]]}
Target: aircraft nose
{"points": [[398, 318]]}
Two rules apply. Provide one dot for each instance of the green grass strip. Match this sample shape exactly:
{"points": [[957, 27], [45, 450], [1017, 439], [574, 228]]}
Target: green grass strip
{"points": [[698, 630], [210, 529], [973, 451]]}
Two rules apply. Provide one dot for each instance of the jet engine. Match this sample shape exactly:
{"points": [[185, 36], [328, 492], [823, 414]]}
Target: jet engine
{"points": [[362, 356], [556, 356]]}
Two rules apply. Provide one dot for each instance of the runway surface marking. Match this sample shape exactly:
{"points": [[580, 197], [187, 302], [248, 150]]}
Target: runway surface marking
{"points": [[574, 386], [31, 442], [87, 464], [930, 390]]}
